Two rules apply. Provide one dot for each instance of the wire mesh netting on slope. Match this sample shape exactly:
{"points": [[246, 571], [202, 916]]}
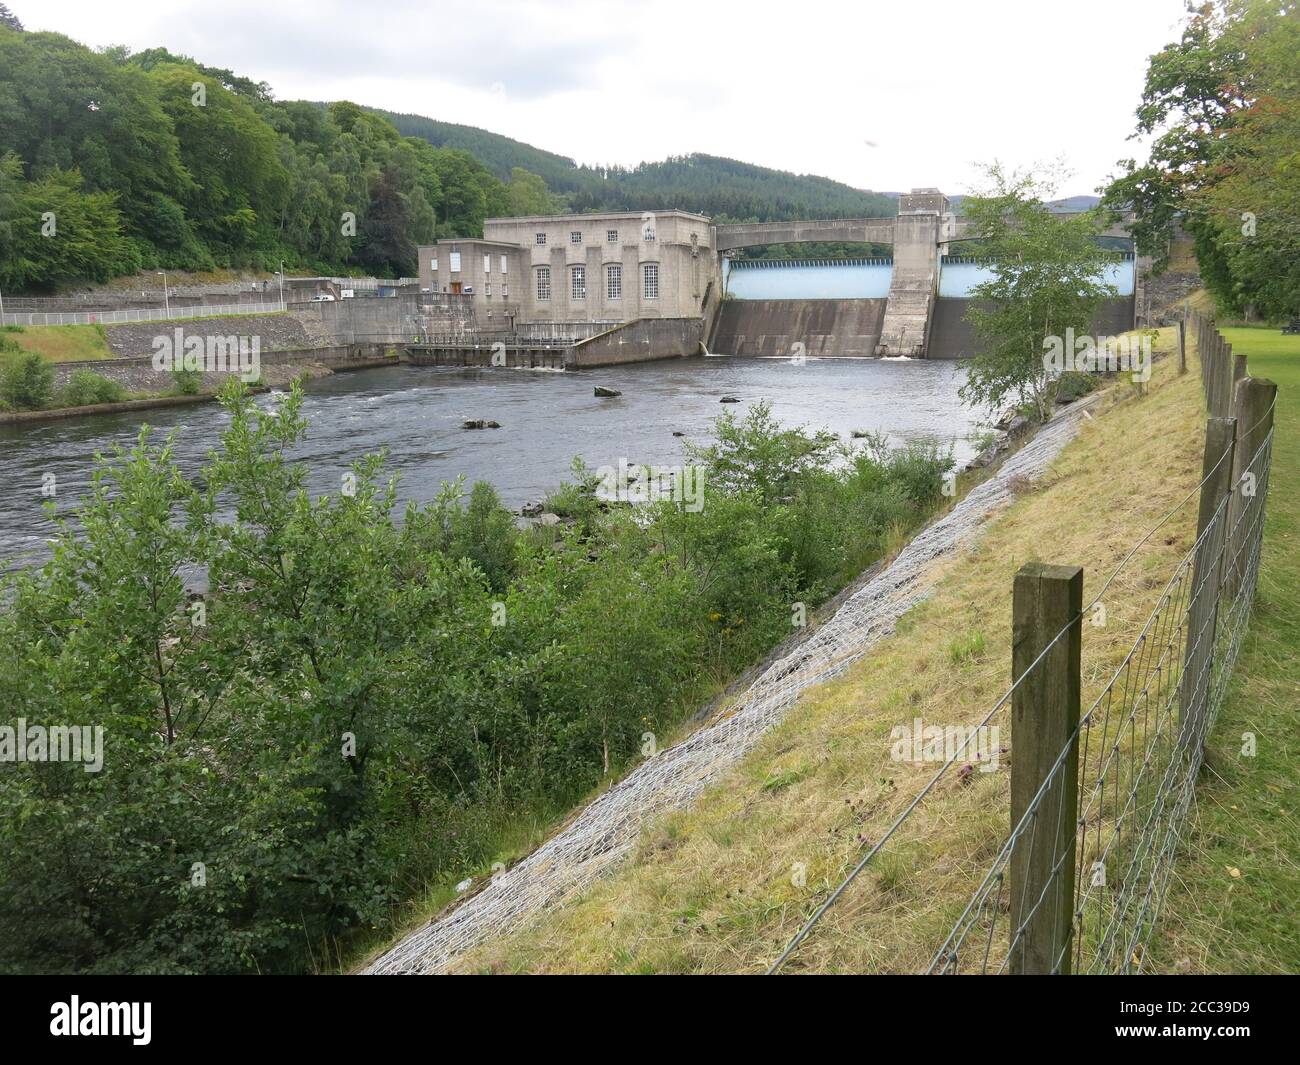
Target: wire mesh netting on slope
{"points": [[602, 834]]}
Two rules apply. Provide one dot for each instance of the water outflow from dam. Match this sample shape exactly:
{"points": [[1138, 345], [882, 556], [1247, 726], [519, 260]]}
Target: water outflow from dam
{"points": [[546, 419]]}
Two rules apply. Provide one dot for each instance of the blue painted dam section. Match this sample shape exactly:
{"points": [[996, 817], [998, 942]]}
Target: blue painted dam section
{"points": [[958, 276], [807, 279], [862, 279]]}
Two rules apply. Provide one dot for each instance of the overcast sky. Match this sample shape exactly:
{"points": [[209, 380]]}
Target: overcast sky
{"points": [[881, 95]]}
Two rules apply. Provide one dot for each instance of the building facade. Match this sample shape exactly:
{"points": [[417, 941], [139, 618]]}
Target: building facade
{"points": [[588, 268]]}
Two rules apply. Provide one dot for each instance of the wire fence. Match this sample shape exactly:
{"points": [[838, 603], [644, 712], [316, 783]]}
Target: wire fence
{"points": [[1098, 798], [1131, 764], [139, 314]]}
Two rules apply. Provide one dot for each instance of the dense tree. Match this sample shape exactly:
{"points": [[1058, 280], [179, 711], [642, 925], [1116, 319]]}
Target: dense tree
{"points": [[386, 245], [1223, 105], [57, 232]]}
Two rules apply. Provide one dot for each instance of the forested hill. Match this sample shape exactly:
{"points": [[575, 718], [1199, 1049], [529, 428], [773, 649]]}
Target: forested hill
{"points": [[721, 188], [153, 160]]}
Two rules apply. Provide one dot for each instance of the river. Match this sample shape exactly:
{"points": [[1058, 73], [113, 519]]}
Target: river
{"points": [[546, 419]]}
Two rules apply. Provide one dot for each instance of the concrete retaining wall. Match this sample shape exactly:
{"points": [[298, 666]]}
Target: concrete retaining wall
{"points": [[773, 327], [274, 331], [278, 367], [951, 336], [371, 321], [639, 341]]}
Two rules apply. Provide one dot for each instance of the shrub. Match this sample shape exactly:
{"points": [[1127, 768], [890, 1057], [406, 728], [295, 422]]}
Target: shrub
{"points": [[368, 701], [26, 381], [188, 382], [85, 388]]}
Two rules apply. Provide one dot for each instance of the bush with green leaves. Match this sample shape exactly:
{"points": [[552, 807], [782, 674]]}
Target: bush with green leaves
{"points": [[188, 382], [86, 387], [357, 702], [26, 381]]}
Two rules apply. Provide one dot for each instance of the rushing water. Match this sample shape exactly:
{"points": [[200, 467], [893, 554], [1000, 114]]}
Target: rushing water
{"points": [[546, 419]]}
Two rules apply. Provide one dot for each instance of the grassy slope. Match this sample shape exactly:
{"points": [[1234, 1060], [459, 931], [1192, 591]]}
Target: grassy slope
{"points": [[710, 889], [1245, 816], [62, 343]]}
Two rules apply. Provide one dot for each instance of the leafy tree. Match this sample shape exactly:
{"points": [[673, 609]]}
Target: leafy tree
{"points": [[26, 381], [1222, 104], [528, 194], [58, 233], [63, 106], [9, 19], [232, 153], [1046, 278], [386, 245]]}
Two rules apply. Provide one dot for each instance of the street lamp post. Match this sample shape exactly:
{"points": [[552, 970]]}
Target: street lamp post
{"points": [[167, 303], [281, 284]]}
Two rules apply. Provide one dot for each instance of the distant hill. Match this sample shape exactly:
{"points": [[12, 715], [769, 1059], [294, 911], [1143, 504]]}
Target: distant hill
{"points": [[724, 189]]}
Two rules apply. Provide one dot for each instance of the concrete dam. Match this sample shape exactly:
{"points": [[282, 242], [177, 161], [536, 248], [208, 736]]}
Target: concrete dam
{"points": [[911, 304], [578, 291]]}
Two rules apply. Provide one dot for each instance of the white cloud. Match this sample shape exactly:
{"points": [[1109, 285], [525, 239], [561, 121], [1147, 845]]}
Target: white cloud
{"points": [[879, 95]]}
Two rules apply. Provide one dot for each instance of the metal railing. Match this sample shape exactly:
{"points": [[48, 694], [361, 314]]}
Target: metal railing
{"points": [[142, 314]]}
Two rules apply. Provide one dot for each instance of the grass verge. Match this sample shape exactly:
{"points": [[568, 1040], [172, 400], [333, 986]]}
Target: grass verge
{"points": [[1232, 903], [61, 343]]}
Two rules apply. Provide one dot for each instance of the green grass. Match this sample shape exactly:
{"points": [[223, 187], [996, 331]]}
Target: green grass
{"points": [[1234, 902], [61, 343]]}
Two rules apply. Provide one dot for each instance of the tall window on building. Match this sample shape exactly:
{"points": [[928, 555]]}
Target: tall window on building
{"points": [[611, 236], [650, 281], [614, 282], [575, 236], [505, 292], [487, 264], [455, 262], [487, 291], [543, 282], [578, 283], [433, 264], [541, 238], [503, 264]]}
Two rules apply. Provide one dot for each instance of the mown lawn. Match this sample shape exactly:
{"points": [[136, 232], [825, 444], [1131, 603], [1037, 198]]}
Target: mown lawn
{"points": [[1234, 902], [61, 343]]}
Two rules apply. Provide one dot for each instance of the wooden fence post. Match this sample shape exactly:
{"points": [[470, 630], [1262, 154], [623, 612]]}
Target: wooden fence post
{"points": [[1253, 408], [1044, 721], [1182, 345], [1206, 577]]}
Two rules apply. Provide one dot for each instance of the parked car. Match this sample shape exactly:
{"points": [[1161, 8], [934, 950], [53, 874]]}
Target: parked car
{"points": [[322, 297]]}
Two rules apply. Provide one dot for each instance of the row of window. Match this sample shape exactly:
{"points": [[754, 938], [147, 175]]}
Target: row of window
{"points": [[613, 282], [454, 263], [611, 236]]}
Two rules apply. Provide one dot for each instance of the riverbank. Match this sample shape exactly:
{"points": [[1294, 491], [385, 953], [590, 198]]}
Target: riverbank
{"points": [[152, 389], [721, 887]]}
